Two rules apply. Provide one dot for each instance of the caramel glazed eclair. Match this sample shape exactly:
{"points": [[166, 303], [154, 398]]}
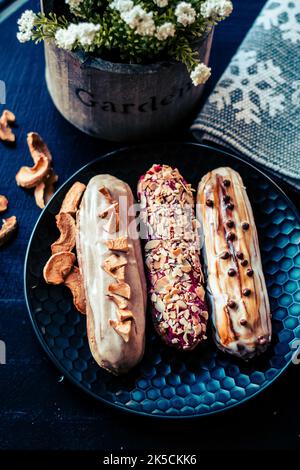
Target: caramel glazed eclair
{"points": [[172, 257], [235, 282], [111, 263]]}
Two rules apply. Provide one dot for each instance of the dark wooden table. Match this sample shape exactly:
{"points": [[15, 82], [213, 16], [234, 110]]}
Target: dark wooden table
{"points": [[37, 409]]}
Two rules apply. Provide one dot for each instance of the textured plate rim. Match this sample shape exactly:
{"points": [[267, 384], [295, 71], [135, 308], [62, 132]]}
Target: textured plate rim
{"points": [[47, 349]]}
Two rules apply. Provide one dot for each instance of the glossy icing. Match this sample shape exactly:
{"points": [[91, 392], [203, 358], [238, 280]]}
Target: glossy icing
{"points": [[109, 348], [235, 281]]}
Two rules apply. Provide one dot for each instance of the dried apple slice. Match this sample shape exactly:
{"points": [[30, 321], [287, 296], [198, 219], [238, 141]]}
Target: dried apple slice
{"points": [[118, 244], [37, 147], [72, 199], [58, 267], [113, 265], [6, 134], [103, 190], [120, 302], [29, 177], [67, 240], [3, 203], [120, 288], [45, 189], [125, 314], [74, 282], [8, 229], [123, 328]]}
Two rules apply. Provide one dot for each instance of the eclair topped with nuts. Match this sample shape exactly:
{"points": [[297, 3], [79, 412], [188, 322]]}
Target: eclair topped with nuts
{"points": [[172, 257], [235, 281]]}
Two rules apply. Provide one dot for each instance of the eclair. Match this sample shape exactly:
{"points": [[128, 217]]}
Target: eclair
{"points": [[111, 265], [172, 257], [236, 285]]}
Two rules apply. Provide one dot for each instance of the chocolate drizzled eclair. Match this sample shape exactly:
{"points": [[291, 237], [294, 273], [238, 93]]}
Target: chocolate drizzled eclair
{"points": [[235, 281]]}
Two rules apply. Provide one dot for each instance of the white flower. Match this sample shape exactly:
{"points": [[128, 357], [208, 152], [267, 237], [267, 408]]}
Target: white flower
{"points": [[122, 5], [161, 3], [200, 74], [66, 38], [74, 3], [165, 31], [26, 25], [185, 13], [216, 8], [86, 33], [137, 18]]}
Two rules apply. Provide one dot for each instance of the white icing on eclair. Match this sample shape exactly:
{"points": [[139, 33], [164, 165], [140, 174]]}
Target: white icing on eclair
{"points": [[109, 348]]}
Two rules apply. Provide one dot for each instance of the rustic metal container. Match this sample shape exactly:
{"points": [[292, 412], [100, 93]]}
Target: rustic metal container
{"points": [[121, 102]]}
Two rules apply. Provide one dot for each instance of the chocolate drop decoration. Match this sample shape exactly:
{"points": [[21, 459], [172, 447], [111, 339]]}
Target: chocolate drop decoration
{"points": [[245, 226], [226, 183], [230, 206], [209, 203], [225, 255], [231, 272], [230, 223], [246, 292], [262, 340], [231, 236]]}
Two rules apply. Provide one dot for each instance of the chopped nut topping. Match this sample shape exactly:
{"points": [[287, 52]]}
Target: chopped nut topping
{"points": [[171, 254], [181, 304], [159, 305], [161, 284], [200, 292], [151, 244], [176, 251], [187, 268]]}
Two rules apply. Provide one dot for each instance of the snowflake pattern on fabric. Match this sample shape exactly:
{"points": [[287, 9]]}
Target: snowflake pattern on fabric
{"points": [[255, 107], [284, 15], [250, 87], [296, 93]]}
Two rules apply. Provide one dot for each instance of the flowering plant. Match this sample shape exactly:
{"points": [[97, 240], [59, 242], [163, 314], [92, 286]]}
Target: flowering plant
{"points": [[133, 31]]}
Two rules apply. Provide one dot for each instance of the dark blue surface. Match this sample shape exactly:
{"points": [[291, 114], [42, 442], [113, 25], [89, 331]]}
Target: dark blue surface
{"points": [[40, 411]]}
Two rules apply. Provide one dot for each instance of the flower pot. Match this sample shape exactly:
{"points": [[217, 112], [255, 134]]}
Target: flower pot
{"points": [[121, 102]]}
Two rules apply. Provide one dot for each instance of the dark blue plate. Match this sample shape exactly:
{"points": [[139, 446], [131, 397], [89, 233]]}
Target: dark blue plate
{"points": [[169, 383]]}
